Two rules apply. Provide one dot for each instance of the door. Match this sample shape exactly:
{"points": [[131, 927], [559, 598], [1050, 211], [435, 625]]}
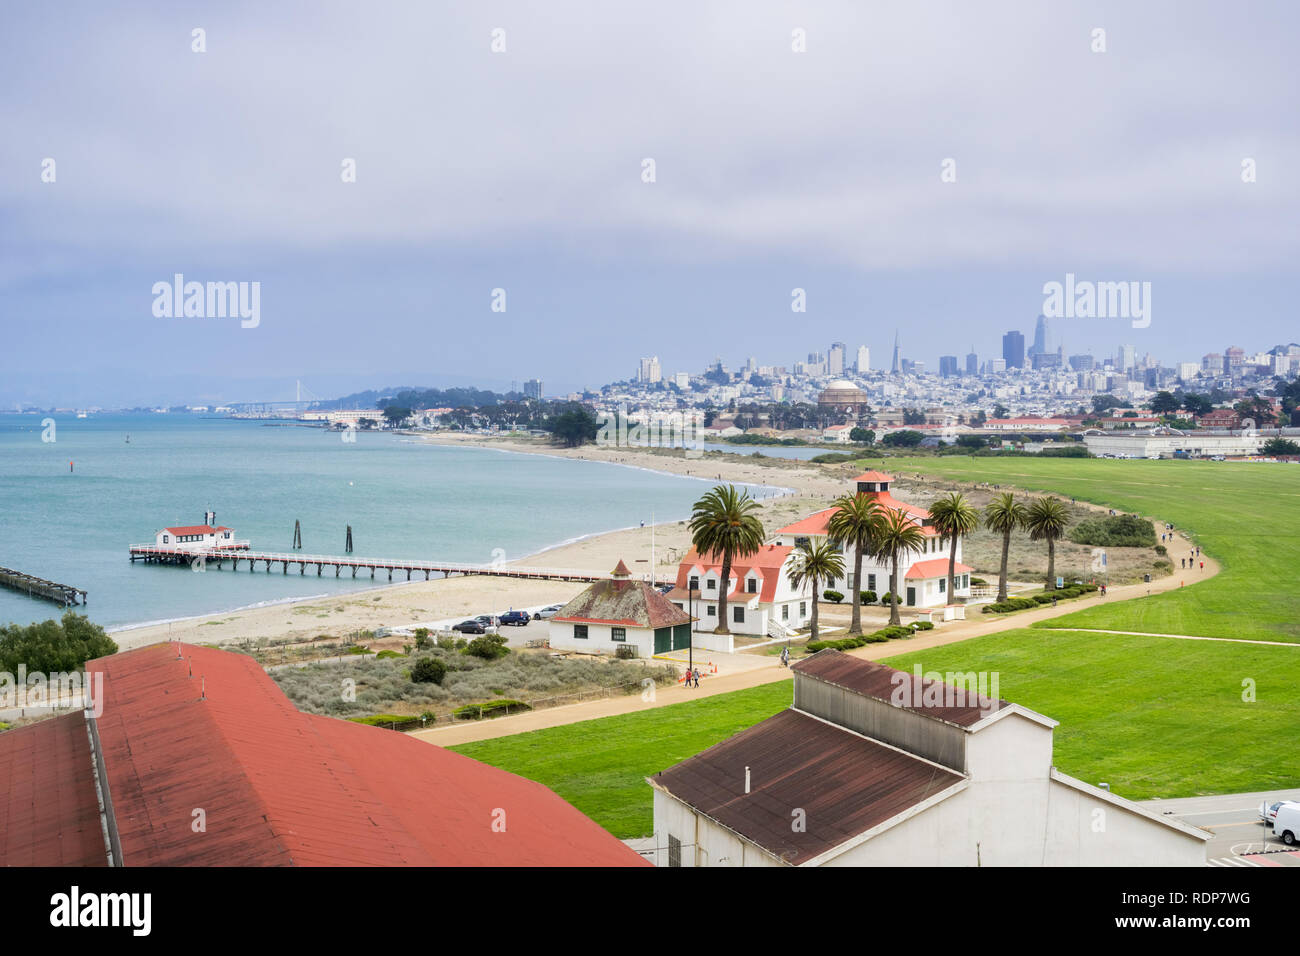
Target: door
{"points": [[681, 637], [911, 597], [663, 639]]}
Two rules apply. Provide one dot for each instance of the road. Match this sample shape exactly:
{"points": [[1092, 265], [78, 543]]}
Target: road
{"points": [[1239, 838]]}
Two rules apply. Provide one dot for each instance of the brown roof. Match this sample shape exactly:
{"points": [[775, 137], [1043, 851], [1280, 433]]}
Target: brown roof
{"points": [[844, 783], [625, 603], [881, 682]]}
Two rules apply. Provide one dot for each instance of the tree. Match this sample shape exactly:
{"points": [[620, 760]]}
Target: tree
{"points": [[863, 436], [953, 517], [815, 563], [1281, 446], [396, 414], [1003, 515], [1000, 410], [573, 427], [906, 438], [53, 647], [1046, 520], [1197, 404], [855, 523], [897, 535], [913, 416], [972, 441], [1164, 403], [724, 524]]}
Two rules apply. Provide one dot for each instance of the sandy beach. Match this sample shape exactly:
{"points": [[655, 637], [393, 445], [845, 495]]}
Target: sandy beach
{"points": [[415, 603]]}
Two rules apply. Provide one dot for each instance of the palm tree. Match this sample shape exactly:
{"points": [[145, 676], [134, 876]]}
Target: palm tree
{"points": [[855, 523], [724, 523], [815, 563], [953, 517], [897, 535], [1047, 520], [1004, 515]]}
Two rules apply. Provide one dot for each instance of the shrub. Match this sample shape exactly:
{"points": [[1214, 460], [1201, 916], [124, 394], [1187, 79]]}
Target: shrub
{"points": [[833, 596], [422, 641], [491, 708], [1161, 550], [867, 597], [884, 598], [978, 582], [923, 626], [388, 655], [356, 649], [428, 670], [488, 646], [1114, 531], [53, 646], [625, 653]]}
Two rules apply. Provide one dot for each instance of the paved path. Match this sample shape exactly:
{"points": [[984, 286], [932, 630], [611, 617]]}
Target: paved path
{"points": [[1240, 839], [740, 674]]}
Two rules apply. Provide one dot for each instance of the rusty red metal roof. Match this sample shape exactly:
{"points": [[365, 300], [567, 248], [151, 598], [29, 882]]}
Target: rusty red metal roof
{"points": [[624, 603], [889, 684], [844, 783], [49, 811], [212, 732]]}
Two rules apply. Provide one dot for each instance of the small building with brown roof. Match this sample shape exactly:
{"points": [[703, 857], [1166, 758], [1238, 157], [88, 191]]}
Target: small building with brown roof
{"points": [[873, 766], [621, 613]]}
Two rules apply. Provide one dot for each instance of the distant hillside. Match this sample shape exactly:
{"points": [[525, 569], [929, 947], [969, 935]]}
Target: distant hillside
{"points": [[411, 396]]}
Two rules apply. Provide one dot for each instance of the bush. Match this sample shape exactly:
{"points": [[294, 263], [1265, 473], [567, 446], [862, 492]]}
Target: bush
{"points": [[1161, 550], [1114, 531], [884, 598], [388, 655], [978, 582], [867, 597], [625, 652], [53, 646], [428, 670], [923, 626], [422, 641], [491, 708], [488, 646], [835, 597]]}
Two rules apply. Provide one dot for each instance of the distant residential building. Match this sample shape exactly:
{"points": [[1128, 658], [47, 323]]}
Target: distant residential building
{"points": [[1013, 349], [863, 363], [1188, 371], [649, 372], [759, 594], [837, 433], [1212, 363], [533, 388], [1027, 424], [995, 366], [835, 359]]}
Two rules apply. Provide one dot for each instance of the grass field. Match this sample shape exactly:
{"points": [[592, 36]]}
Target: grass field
{"points": [[600, 765], [1246, 515]]}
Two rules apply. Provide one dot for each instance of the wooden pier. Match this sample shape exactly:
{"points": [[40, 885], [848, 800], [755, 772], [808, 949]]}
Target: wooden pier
{"points": [[201, 559], [32, 586]]}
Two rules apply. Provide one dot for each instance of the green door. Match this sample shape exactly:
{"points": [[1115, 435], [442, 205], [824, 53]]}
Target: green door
{"points": [[681, 637], [663, 639], [911, 597]]}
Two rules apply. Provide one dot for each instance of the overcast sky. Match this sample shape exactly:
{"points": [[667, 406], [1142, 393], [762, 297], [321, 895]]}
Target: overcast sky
{"points": [[523, 170]]}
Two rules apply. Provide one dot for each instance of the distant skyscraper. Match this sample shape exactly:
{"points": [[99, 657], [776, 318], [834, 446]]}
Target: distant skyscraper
{"points": [[1082, 363], [648, 372], [898, 355], [1013, 349], [533, 388], [1125, 358], [972, 362], [1042, 336], [835, 359], [947, 366], [1212, 363], [683, 380], [864, 359]]}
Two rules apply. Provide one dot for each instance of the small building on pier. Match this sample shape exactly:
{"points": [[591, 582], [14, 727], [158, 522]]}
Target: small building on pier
{"points": [[197, 537]]}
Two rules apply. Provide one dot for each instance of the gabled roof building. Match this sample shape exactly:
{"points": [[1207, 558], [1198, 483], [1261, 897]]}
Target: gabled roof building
{"points": [[620, 613]]}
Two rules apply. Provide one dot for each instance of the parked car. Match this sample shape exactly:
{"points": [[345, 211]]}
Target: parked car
{"points": [[1286, 824], [1268, 811], [469, 627], [489, 621], [517, 618], [547, 612]]}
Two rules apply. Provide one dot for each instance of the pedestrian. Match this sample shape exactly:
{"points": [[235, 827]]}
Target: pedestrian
{"points": [[1053, 600], [1202, 565], [697, 677]]}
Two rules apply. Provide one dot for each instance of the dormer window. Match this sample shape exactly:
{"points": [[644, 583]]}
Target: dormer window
{"points": [[751, 586]]}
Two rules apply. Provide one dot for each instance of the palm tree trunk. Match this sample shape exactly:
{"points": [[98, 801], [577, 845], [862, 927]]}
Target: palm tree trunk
{"points": [[1051, 564], [855, 626], [814, 608], [893, 592], [722, 598], [1002, 575]]}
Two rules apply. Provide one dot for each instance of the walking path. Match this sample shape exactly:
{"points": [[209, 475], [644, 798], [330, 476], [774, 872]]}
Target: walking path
{"points": [[741, 671]]}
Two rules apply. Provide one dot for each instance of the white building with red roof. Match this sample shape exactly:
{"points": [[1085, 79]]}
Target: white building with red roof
{"points": [[198, 537], [620, 613], [758, 591], [923, 574]]}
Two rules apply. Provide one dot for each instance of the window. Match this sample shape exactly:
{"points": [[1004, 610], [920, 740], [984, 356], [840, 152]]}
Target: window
{"points": [[618, 634], [712, 584], [738, 615], [803, 608], [694, 583], [712, 611], [871, 582], [226, 535], [751, 586], [674, 851], [785, 612], [580, 632], [943, 585], [166, 539]]}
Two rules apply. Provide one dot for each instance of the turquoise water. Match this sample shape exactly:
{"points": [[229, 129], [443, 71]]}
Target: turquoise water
{"points": [[403, 499]]}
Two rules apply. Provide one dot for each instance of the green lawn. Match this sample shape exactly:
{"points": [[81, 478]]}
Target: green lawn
{"points": [[600, 765], [1151, 716], [1246, 515]]}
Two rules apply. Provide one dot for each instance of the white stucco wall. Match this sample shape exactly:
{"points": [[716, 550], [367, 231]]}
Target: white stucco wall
{"points": [[599, 639]]}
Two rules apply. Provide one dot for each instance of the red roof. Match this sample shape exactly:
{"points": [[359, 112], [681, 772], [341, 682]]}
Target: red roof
{"points": [[280, 787], [49, 811], [935, 568], [766, 563], [819, 523], [197, 529], [873, 476]]}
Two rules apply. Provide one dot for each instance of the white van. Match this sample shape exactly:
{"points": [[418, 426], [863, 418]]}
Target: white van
{"points": [[1286, 825]]}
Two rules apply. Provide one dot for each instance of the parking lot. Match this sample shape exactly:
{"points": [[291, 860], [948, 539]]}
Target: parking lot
{"points": [[1240, 839]]}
